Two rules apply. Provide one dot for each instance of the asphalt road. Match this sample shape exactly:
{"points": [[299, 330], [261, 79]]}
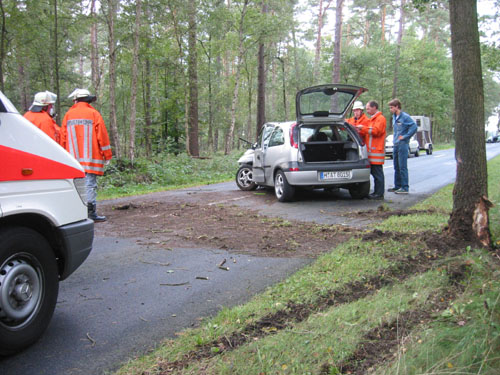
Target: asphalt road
{"points": [[126, 298]]}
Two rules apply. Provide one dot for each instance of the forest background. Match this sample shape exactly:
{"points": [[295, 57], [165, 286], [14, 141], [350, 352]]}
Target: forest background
{"points": [[173, 76]]}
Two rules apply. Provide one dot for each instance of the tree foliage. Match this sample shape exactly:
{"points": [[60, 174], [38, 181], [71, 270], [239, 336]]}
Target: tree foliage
{"points": [[227, 50]]}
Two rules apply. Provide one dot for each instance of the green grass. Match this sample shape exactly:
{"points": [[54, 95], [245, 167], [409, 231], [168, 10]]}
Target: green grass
{"points": [[461, 338], [165, 172]]}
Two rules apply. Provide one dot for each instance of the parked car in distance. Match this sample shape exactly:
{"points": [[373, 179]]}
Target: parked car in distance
{"points": [[389, 146], [493, 139], [319, 150]]}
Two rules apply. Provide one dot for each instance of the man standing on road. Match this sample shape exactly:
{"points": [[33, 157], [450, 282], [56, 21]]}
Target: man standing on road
{"points": [[404, 128], [41, 112], [374, 135], [85, 137]]}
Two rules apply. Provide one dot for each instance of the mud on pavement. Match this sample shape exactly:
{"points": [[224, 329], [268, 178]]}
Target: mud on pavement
{"points": [[173, 224]]}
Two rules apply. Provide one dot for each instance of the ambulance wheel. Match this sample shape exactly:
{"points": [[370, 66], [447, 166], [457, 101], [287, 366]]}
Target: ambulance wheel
{"points": [[29, 287]]}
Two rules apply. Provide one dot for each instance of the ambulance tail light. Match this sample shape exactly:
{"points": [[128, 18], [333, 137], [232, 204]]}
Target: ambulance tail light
{"points": [[80, 187]]}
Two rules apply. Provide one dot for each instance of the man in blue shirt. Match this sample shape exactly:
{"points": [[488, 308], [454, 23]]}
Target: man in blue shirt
{"points": [[404, 128]]}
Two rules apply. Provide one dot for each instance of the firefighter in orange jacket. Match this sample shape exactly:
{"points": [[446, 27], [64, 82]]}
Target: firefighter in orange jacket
{"points": [[84, 135], [41, 112], [359, 117], [374, 135]]}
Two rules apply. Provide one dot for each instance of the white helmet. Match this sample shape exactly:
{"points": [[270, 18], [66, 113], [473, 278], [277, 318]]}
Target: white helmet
{"points": [[44, 98], [358, 105], [80, 93]]}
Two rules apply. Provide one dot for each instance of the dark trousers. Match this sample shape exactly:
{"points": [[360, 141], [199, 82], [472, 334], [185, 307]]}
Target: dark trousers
{"points": [[377, 171]]}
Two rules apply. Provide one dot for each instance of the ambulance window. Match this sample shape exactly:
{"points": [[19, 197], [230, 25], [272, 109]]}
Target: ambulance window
{"points": [[2, 107]]}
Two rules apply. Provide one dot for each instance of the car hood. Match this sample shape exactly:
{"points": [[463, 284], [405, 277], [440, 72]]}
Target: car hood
{"points": [[330, 102]]}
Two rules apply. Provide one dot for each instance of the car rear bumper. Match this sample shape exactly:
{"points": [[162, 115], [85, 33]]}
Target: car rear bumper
{"points": [[311, 178]]}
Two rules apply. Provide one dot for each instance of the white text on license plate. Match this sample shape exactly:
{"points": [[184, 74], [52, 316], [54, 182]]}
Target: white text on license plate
{"points": [[335, 175]]}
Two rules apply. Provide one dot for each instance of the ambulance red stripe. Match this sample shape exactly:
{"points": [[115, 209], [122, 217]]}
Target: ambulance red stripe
{"points": [[13, 162]]}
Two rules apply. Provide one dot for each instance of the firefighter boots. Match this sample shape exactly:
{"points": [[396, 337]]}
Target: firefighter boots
{"points": [[93, 214]]}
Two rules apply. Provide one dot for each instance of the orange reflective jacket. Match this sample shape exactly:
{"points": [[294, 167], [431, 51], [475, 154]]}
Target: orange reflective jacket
{"points": [[44, 122], [374, 135], [84, 135], [362, 120]]}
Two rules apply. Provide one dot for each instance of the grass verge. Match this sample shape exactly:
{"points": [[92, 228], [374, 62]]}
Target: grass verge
{"points": [[398, 299], [165, 172]]}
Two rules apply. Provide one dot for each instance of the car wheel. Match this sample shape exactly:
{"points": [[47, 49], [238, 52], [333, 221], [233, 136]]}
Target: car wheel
{"points": [[429, 150], [360, 190], [417, 153], [244, 178], [283, 190], [28, 287]]}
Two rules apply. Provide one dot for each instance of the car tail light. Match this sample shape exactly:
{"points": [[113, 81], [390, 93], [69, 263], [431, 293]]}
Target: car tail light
{"points": [[294, 136], [294, 169]]}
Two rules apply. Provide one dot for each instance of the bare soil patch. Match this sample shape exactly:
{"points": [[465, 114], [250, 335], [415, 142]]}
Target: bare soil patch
{"points": [[189, 224]]}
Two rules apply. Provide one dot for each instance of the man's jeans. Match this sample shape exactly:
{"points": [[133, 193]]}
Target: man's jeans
{"points": [[377, 171], [400, 154], [91, 186]]}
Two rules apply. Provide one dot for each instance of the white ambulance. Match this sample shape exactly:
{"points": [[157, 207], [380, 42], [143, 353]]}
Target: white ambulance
{"points": [[44, 231]]}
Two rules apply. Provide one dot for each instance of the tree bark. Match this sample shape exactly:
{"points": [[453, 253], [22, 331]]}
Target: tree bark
{"points": [[147, 88], [469, 217], [241, 51], [398, 49], [115, 139], [317, 55], [56, 63], [193, 81], [94, 51], [383, 13], [133, 89], [261, 82], [3, 41], [337, 43]]}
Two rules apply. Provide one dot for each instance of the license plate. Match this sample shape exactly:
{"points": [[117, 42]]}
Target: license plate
{"points": [[335, 175]]}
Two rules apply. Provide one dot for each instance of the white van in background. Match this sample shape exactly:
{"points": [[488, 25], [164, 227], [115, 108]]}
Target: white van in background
{"points": [[424, 133]]}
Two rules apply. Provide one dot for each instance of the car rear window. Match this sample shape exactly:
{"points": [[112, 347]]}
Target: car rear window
{"points": [[325, 102]]}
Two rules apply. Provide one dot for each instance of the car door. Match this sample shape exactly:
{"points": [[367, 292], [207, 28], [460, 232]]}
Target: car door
{"points": [[274, 152], [259, 154]]}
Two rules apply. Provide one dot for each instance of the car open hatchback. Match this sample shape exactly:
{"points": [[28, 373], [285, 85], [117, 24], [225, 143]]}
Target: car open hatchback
{"points": [[319, 150]]}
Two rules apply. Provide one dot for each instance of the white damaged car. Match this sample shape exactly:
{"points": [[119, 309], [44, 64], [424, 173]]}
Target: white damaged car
{"points": [[319, 150]]}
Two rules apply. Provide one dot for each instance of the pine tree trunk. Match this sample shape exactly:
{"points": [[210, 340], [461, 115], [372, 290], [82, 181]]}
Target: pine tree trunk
{"points": [[383, 14], [94, 50], [261, 82], [469, 217], [193, 81], [115, 139], [133, 89], [56, 62], [295, 60], [398, 49], [241, 51], [3, 41], [337, 43]]}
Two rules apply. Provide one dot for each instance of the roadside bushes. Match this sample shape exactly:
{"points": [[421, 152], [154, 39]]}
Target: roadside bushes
{"points": [[163, 172]]}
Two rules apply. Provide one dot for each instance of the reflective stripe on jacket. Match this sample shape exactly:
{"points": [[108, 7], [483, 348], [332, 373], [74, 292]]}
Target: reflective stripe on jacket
{"points": [[374, 135], [45, 123], [84, 135]]}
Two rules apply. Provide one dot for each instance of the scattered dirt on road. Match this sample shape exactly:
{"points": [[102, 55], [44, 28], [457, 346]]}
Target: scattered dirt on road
{"points": [[170, 224]]}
